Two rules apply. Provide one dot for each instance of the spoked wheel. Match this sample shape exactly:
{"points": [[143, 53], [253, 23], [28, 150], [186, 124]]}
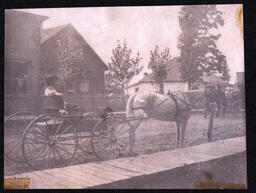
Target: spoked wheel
{"points": [[49, 141], [110, 138], [84, 135], [14, 126]]}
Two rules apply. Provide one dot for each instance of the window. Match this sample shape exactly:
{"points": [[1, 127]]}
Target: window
{"points": [[16, 74]]}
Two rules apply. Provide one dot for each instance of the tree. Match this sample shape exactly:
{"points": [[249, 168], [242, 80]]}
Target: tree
{"points": [[122, 68], [197, 42], [158, 64], [225, 72], [67, 58]]}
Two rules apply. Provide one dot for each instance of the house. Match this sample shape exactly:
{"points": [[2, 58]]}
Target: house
{"points": [[21, 60], [86, 70], [173, 82]]}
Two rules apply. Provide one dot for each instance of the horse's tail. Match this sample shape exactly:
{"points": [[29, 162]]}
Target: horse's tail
{"points": [[129, 106]]}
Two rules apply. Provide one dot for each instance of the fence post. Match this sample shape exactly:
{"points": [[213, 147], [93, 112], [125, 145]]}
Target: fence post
{"points": [[210, 125]]}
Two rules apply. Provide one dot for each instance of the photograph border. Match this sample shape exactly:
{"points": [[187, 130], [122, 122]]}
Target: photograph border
{"points": [[249, 51]]}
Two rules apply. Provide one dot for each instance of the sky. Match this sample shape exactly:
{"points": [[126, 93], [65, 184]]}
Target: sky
{"points": [[143, 28]]}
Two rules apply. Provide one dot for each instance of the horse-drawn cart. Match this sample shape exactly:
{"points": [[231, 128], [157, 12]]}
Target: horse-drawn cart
{"points": [[52, 139]]}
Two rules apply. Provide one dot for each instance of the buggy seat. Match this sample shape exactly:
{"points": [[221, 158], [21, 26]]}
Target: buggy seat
{"points": [[52, 104]]}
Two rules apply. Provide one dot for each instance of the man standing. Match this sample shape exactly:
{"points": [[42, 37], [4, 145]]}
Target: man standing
{"points": [[209, 99]]}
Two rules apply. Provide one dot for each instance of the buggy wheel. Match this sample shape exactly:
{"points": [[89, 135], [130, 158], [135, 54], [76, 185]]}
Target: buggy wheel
{"points": [[14, 126], [49, 141], [110, 138]]}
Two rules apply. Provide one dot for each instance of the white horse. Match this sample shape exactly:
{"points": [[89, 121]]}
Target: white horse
{"points": [[148, 104]]}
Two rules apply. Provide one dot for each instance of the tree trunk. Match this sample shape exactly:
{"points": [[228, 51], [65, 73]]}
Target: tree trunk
{"points": [[161, 87]]}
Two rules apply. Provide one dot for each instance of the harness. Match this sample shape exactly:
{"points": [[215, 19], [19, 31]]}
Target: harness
{"points": [[172, 96], [176, 104]]}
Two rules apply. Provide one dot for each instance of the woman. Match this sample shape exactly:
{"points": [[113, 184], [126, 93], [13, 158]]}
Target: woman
{"points": [[55, 96]]}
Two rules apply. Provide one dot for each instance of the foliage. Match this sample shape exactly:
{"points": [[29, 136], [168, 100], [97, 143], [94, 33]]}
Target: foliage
{"points": [[158, 64], [197, 42], [122, 68], [68, 57], [225, 72]]}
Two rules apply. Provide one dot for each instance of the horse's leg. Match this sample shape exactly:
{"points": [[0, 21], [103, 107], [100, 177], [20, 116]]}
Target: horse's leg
{"points": [[183, 128], [178, 134], [133, 126]]}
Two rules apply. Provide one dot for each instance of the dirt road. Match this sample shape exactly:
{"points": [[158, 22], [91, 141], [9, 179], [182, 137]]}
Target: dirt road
{"points": [[153, 136]]}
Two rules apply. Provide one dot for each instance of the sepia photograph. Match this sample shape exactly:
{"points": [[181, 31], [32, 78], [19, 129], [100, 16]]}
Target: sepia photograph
{"points": [[136, 97]]}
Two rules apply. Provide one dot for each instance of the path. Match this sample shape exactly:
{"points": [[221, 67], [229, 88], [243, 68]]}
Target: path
{"points": [[97, 173]]}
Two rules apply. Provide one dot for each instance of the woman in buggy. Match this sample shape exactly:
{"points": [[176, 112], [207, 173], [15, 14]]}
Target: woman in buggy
{"points": [[53, 100]]}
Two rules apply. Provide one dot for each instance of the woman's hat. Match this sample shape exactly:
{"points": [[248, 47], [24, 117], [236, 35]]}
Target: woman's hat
{"points": [[49, 78]]}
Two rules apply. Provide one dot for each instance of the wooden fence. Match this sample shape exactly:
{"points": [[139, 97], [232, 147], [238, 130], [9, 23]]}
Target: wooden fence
{"points": [[92, 103]]}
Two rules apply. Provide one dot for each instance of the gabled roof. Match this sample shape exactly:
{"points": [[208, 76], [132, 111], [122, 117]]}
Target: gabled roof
{"points": [[90, 54], [173, 74], [22, 13], [48, 33]]}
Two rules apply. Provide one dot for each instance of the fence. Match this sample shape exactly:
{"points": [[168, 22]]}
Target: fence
{"points": [[91, 103], [13, 104], [94, 102]]}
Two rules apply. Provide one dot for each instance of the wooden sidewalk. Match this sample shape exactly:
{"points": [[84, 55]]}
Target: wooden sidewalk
{"points": [[93, 174]]}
